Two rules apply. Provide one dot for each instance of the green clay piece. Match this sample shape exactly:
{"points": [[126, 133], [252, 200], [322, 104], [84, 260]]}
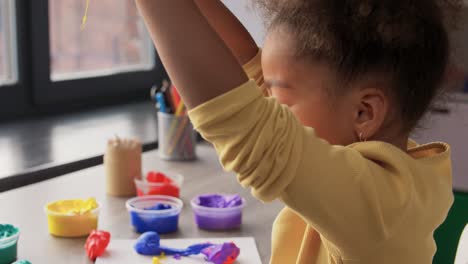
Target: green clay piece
{"points": [[22, 261], [7, 231]]}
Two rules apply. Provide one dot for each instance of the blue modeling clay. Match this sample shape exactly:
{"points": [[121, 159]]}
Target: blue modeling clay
{"points": [[148, 244], [159, 206], [159, 221]]}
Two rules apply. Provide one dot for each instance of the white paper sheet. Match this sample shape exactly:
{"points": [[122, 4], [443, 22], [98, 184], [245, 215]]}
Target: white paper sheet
{"points": [[121, 251]]}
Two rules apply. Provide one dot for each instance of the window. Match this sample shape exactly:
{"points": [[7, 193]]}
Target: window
{"points": [[114, 41], [8, 68], [111, 59], [49, 65]]}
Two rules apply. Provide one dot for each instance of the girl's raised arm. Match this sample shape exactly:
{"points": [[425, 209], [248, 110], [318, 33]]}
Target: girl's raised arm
{"points": [[196, 58]]}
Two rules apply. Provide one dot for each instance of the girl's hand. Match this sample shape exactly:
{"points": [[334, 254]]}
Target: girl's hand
{"points": [[230, 29]]}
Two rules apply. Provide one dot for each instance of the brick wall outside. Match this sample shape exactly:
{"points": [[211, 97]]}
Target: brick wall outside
{"points": [[112, 37]]}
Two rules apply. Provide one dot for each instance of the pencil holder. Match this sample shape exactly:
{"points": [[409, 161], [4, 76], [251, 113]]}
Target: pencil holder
{"points": [[176, 137]]}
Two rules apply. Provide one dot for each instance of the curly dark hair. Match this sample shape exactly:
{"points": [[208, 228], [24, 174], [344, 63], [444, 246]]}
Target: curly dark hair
{"points": [[405, 40]]}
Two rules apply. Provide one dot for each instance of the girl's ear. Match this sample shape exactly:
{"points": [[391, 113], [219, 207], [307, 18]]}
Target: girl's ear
{"points": [[370, 112]]}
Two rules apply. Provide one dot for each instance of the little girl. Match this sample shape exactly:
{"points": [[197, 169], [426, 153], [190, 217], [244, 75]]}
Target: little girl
{"points": [[349, 80]]}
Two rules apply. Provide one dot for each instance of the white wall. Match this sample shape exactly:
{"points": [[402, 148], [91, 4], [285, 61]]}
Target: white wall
{"points": [[460, 39], [249, 17]]}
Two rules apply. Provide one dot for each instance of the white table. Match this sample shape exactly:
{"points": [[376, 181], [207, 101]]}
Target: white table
{"points": [[24, 207]]}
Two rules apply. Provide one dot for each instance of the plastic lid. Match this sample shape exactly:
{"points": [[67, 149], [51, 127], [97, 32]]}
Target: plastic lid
{"points": [[138, 204]]}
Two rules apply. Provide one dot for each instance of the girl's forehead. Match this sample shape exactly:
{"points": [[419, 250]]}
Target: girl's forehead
{"points": [[279, 36], [278, 48]]}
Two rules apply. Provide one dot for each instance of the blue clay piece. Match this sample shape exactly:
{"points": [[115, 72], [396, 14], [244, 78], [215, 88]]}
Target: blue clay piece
{"points": [[194, 249], [148, 244], [159, 207]]}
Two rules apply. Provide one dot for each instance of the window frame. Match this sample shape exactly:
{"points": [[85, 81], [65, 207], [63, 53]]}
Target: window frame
{"points": [[14, 97], [10, 45]]}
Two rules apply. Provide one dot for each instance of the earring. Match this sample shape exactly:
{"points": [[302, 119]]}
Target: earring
{"points": [[361, 138]]}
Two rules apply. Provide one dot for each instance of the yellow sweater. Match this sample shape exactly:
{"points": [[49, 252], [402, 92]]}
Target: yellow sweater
{"points": [[366, 203]]}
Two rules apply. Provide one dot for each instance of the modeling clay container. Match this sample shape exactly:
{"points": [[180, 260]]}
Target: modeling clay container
{"points": [[9, 236], [72, 218], [159, 213], [213, 216], [160, 184]]}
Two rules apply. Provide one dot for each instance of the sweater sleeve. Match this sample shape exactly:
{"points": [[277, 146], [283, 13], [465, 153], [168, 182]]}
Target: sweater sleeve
{"points": [[336, 189], [253, 69]]}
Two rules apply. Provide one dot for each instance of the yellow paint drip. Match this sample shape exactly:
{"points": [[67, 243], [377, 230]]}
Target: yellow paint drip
{"points": [[85, 16], [156, 260]]}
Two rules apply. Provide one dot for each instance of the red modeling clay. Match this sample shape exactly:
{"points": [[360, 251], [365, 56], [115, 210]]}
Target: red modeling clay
{"points": [[158, 177], [167, 189], [163, 185], [97, 243]]}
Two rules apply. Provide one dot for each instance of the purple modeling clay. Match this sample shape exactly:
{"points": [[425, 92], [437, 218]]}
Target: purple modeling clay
{"points": [[225, 253], [220, 201], [218, 212]]}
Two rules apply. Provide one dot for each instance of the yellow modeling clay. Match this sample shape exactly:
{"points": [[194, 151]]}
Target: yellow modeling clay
{"points": [[73, 207], [72, 218]]}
